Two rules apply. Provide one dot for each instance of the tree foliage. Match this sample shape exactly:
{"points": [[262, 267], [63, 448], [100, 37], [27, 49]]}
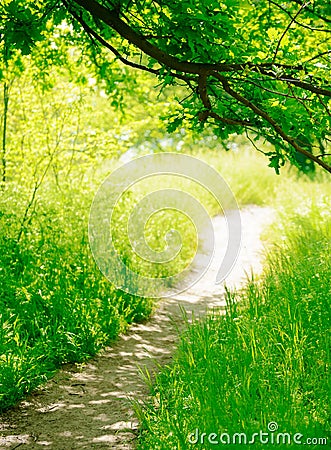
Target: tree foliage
{"points": [[259, 67]]}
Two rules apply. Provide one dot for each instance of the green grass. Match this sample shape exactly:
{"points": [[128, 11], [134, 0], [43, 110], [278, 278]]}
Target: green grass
{"points": [[267, 359], [55, 305]]}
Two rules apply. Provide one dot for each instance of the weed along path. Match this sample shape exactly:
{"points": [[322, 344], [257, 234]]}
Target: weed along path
{"points": [[88, 406]]}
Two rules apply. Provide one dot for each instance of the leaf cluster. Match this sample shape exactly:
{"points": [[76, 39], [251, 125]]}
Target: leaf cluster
{"points": [[258, 67]]}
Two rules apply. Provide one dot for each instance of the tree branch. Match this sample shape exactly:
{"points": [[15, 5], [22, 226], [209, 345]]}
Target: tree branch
{"points": [[314, 13], [112, 19], [268, 119], [301, 24], [106, 44], [323, 155], [302, 84], [183, 70], [202, 89], [242, 123], [286, 30], [318, 56]]}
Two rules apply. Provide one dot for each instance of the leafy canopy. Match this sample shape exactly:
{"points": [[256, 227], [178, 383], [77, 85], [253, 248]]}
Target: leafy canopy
{"points": [[259, 67]]}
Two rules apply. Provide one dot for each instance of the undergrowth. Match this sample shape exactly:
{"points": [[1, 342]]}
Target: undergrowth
{"points": [[55, 305], [266, 361]]}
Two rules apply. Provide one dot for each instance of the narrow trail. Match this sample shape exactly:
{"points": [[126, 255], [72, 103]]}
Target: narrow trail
{"points": [[88, 406]]}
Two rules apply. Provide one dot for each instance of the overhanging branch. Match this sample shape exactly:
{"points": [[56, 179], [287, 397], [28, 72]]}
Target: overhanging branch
{"points": [[112, 19], [269, 119], [185, 69]]}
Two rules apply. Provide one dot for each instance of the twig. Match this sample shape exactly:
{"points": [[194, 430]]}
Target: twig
{"points": [[301, 24], [323, 154], [318, 56], [287, 28], [311, 11], [253, 143]]}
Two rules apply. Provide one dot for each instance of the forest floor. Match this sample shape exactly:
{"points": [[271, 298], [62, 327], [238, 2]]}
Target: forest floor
{"points": [[89, 405]]}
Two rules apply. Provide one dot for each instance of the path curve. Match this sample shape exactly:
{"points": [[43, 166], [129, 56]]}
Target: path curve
{"points": [[87, 406]]}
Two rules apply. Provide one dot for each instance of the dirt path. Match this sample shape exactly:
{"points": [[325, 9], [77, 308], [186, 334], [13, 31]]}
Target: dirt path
{"points": [[88, 406]]}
